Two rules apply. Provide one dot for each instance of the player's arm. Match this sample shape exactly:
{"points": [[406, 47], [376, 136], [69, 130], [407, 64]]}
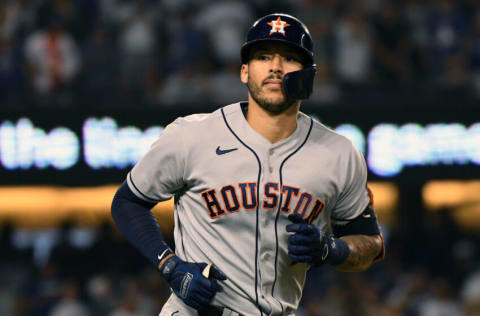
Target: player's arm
{"points": [[353, 246], [364, 240], [134, 219], [363, 250], [356, 241], [354, 222], [156, 177]]}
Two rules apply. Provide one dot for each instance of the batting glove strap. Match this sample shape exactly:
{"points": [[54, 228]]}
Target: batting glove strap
{"points": [[168, 267], [338, 250]]}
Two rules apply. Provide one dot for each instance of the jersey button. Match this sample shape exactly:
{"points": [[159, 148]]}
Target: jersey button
{"points": [[271, 151], [270, 169]]}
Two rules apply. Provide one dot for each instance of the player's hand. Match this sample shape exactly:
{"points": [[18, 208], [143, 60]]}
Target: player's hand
{"points": [[188, 283], [309, 244]]}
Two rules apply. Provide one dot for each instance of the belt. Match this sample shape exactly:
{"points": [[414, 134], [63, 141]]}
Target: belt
{"points": [[210, 311]]}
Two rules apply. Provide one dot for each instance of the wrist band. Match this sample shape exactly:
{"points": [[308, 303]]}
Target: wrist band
{"points": [[339, 252]]}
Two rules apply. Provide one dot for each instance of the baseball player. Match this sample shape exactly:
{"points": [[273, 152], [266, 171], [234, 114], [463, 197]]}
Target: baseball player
{"points": [[262, 191]]}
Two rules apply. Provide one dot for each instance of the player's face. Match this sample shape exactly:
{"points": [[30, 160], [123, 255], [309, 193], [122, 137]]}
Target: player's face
{"points": [[264, 74]]}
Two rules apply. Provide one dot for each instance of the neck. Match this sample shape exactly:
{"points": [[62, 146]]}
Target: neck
{"points": [[272, 126]]}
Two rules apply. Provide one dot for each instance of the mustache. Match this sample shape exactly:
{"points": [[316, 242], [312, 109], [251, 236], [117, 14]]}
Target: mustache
{"points": [[274, 77]]}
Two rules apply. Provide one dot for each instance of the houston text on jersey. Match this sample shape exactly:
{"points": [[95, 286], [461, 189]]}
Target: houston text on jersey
{"points": [[243, 196]]}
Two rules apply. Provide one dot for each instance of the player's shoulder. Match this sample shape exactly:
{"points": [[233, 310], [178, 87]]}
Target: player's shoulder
{"points": [[324, 135], [206, 119]]}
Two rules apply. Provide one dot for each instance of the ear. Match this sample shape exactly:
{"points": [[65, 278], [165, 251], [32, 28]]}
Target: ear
{"points": [[244, 73]]}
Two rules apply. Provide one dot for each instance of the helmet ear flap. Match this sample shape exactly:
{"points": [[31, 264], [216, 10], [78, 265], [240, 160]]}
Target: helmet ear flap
{"points": [[298, 85]]}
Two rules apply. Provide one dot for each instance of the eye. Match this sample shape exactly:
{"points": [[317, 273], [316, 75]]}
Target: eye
{"points": [[292, 59], [263, 57]]}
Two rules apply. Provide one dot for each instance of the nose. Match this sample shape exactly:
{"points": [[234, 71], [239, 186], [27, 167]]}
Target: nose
{"points": [[276, 65]]}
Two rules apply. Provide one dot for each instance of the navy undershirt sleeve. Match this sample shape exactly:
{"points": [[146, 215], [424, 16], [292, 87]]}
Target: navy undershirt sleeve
{"points": [[134, 219]]}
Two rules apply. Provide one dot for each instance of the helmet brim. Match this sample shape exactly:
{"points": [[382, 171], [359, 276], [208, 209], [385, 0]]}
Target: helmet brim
{"points": [[246, 50]]}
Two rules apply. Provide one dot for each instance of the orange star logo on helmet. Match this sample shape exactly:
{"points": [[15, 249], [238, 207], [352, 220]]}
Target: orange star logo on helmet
{"points": [[278, 26]]}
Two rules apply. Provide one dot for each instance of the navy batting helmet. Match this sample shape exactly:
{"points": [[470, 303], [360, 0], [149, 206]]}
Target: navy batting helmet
{"points": [[290, 30], [279, 27]]}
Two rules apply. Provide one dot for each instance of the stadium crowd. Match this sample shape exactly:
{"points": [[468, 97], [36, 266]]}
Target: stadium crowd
{"points": [[170, 52], [431, 269]]}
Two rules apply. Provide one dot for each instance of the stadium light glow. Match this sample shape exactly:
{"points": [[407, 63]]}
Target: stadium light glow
{"points": [[50, 206]]}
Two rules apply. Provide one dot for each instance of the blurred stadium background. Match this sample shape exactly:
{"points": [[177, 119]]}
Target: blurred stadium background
{"points": [[86, 85]]}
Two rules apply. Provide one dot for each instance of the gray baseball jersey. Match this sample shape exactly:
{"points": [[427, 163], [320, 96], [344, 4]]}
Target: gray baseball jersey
{"points": [[233, 191]]}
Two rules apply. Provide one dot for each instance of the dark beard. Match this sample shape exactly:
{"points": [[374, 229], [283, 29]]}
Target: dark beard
{"points": [[267, 104]]}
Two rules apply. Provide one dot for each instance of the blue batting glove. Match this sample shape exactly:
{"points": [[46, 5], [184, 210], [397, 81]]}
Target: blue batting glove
{"points": [[188, 283], [309, 244]]}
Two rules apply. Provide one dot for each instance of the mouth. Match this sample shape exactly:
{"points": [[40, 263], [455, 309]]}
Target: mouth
{"points": [[273, 83]]}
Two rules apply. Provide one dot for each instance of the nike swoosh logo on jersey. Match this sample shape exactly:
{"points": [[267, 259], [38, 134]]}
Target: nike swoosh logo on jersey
{"points": [[225, 151]]}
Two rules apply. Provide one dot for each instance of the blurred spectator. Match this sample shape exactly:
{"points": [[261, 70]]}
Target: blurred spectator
{"points": [[40, 292], [456, 71], [325, 90], [176, 7], [391, 46], [440, 232], [447, 30], [7, 302], [470, 293], [310, 11], [226, 22], [154, 286], [100, 295], [70, 303], [181, 7], [130, 47], [353, 47], [474, 53], [409, 292], [184, 87], [321, 31], [100, 71], [464, 254], [17, 18], [416, 14], [362, 296], [101, 256], [132, 301], [53, 62], [117, 12], [69, 13], [11, 77], [137, 46], [331, 304], [226, 86], [442, 302], [6, 243], [319, 17], [186, 43], [114, 288], [64, 256]]}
